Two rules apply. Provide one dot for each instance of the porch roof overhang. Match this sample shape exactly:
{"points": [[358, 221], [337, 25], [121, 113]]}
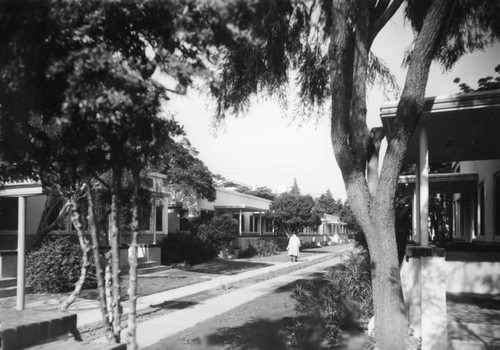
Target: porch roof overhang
{"points": [[443, 183], [21, 189], [459, 127], [240, 207]]}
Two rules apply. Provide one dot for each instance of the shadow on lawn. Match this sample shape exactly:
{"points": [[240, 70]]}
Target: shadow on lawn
{"points": [[259, 334], [174, 305], [302, 282], [225, 267], [314, 251]]}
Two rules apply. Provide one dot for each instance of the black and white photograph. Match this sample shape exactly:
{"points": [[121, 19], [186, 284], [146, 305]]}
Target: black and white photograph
{"points": [[250, 174]]}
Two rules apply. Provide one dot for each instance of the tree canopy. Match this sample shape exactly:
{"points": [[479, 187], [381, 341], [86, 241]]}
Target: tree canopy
{"points": [[291, 212], [79, 101], [326, 204]]}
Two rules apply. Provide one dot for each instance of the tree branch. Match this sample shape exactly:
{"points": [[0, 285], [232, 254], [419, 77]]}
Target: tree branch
{"points": [[380, 20], [412, 102]]}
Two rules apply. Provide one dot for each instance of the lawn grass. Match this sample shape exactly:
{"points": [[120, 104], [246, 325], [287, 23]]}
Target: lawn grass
{"points": [[147, 285], [174, 278], [226, 267]]}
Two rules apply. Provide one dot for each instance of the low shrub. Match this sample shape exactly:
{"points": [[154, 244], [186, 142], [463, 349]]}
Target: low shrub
{"points": [[250, 252], [327, 309], [179, 248], [263, 247], [55, 266], [266, 247], [220, 231], [282, 243]]}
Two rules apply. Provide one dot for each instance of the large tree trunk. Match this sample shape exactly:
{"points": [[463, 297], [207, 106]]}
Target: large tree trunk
{"points": [[372, 201], [132, 291]]}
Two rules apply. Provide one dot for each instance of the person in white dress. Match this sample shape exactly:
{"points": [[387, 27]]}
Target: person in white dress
{"points": [[293, 247]]}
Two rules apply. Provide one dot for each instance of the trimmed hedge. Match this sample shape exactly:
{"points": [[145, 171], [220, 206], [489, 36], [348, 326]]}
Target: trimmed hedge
{"points": [[55, 267], [179, 248]]}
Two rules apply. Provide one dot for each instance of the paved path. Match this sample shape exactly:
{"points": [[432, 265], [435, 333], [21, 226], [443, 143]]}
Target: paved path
{"points": [[156, 329], [88, 310]]}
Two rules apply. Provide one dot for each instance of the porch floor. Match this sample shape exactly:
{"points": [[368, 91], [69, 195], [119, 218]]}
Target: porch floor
{"points": [[473, 321]]}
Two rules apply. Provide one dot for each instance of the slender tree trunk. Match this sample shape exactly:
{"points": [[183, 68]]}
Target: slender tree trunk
{"points": [[44, 227], [115, 258], [85, 246], [132, 292], [108, 287], [92, 222]]}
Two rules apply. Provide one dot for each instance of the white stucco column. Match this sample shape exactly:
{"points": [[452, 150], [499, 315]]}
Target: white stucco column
{"points": [[260, 223], [241, 223], [165, 216], [153, 220], [415, 215], [423, 280], [423, 175], [21, 251]]}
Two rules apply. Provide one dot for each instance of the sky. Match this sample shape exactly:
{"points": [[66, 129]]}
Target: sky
{"points": [[267, 147]]}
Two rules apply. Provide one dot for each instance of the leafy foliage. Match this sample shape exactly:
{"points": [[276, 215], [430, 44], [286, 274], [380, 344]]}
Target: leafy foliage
{"points": [[186, 174], [54, 267], [483, 84], [472, 26], [262, 247], [339, 303], [181, 248], [261, 192], [220, 231], [292, 212], [250, 252], [328, 205]]}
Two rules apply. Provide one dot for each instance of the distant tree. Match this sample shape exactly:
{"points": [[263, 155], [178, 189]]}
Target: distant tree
{"points": [[347, 216], [327, 204], [292, 212], [295, 188], [262, 192], [483, 84]]}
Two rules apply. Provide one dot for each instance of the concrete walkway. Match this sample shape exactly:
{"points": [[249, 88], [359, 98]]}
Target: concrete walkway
{"points": [[156, 329], [93, 315], [88, 310]]}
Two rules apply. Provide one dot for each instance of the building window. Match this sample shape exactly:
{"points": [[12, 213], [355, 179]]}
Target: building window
{"points": [[159, 218], [459, 218], [269, 225], [481, 210], [254, 223], [145, 218]]}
